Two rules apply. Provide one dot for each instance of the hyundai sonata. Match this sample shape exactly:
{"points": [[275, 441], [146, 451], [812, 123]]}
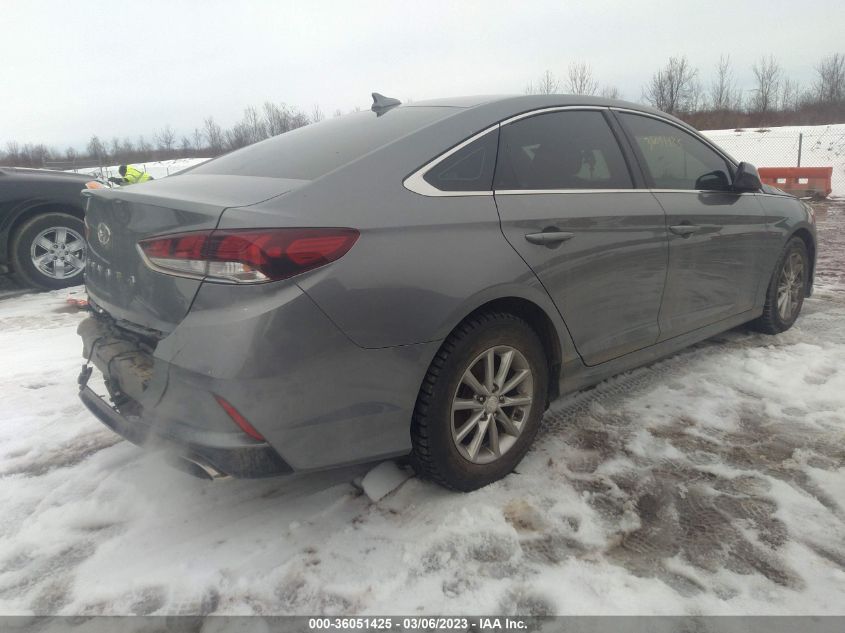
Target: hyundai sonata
{"points": [[422, 280]]}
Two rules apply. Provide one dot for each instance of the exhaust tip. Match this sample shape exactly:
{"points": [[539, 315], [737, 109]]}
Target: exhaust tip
{"points": [[198, 468]]}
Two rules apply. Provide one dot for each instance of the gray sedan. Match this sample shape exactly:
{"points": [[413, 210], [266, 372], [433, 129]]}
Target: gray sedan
{"points": [[422, 280]]}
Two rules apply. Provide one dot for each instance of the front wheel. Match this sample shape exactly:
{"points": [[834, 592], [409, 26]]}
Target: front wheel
{"points": [[480, 404], [787, 288], [48, 251]]}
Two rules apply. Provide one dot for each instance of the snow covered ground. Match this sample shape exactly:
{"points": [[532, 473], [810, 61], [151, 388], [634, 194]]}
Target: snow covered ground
{"points": [[712, 482], [822, 146]]}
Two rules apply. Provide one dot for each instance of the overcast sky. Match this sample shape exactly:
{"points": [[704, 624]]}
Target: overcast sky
{"points": [[72, 69]]}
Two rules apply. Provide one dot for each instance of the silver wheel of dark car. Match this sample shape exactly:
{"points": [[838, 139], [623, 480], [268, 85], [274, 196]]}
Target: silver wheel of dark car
{"points": [[48, 250], [791, 286], [491, 404], [58, 252]]}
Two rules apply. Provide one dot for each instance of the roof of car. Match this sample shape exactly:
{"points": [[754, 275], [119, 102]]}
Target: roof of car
{"points": [[516, 104], [30, 171]]}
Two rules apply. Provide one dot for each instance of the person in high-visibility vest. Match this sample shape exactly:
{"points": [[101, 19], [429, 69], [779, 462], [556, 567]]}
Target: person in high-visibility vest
{"points": [[130, 175]]}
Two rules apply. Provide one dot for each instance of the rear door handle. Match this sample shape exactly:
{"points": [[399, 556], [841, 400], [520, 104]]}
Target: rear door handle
{"points": [[549, 237], [685, 230]]}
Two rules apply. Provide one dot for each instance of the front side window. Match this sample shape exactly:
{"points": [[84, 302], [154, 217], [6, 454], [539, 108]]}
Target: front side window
{"points": [[560, 150], [468, 169], [676, 159]]}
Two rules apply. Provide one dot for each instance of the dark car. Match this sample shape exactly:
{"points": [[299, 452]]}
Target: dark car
{"points": [[423, 279], [42, 237]]}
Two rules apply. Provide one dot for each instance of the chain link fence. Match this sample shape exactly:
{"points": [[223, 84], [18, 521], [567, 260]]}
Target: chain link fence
{"points": [[788, 147]]}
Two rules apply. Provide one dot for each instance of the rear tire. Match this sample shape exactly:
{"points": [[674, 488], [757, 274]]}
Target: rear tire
{"points": [[468, 430], [39, 245], [786, 291]]}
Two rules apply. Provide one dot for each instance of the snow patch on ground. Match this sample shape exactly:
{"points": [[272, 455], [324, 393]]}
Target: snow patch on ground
{"points": [[712, 482], [383, 479]]}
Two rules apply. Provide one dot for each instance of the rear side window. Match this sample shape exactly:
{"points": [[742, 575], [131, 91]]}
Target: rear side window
{"points": [[469, 169], [312, 151], [676, 159], [560, 150]]}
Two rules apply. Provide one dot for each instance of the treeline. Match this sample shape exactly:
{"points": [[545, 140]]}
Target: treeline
{"points": [[678, 88], [719, 102], [211, 139]]}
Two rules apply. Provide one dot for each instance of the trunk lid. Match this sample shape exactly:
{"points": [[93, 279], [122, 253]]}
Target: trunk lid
{"points": [[116, 277]]}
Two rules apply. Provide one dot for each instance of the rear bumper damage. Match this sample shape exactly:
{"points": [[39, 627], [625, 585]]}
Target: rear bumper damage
{"points": [[200, 460], [265, 355], [128, 371]]}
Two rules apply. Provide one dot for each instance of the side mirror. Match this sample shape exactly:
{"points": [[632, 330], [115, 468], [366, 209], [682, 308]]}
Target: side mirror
{"points": [[747, 178]]}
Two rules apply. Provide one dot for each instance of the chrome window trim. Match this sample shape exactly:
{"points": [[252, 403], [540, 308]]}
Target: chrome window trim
{"points": [[530, 113], [417, 183], [523, 192], [697, 191]]}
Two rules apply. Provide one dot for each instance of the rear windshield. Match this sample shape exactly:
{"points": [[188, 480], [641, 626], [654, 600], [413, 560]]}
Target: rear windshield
{"points": [[314, 150]]}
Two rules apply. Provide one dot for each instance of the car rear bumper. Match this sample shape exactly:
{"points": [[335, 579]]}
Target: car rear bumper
{"points": [[317, 399], [211, 462]]}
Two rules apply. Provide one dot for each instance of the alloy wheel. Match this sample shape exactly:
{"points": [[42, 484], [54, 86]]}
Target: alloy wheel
{"points": [[491, 404], [790, 286], [58, 252]]}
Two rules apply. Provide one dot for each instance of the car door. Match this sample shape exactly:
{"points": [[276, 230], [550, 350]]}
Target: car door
{"points": [[569, 206], [715, 234]]}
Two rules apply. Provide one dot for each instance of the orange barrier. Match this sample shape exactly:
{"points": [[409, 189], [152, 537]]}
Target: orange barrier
{"points": [[799, 181]]}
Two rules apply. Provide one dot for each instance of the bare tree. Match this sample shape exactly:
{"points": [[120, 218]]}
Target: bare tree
{"points": [[547, 84], [674, 88], [254, 126], [39, 154], [238, 136], [97, 150], [611, 92], [767, 73], [166, 139], [13, 152], [198, 139], [723, 91], [581, 80], [830, 84], [275, 118], [213, 136], [298, 119], [790, 95], [317, 114], [70, 154], [185, 146], [115, 149], [337, 113], [144, 148]]}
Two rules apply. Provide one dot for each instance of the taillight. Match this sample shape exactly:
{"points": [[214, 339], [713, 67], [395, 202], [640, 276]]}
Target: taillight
{"points": [[238, 419], [247, 255]]}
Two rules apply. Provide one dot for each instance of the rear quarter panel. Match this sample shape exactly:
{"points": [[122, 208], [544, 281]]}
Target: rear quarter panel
{"points": [[421, 263]]}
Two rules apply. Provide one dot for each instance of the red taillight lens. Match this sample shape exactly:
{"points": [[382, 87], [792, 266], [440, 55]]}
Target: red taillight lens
{"points": [[240, 420], [247, 255]]}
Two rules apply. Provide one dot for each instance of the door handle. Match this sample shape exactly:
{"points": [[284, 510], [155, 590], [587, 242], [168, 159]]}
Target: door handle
{"points": [[685, 230], [549, 237]]}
